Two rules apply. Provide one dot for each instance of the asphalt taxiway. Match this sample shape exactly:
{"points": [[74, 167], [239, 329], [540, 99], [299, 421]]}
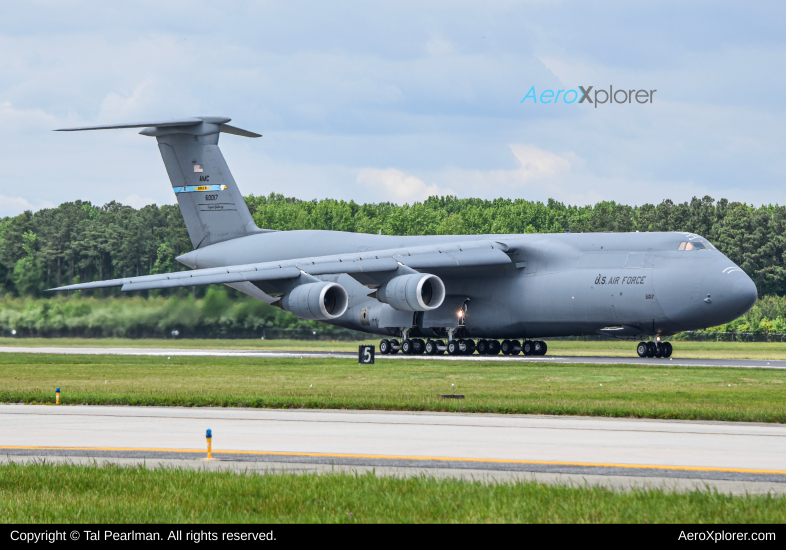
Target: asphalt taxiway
{"points": [[590, 360], [620, 453]]}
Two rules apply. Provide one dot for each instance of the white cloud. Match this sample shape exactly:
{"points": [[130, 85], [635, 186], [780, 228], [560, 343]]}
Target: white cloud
{"points": [[396, 186], [118, 107], [13, 206], [537, 163], [538, 171], [439, 46], [137, 202]]}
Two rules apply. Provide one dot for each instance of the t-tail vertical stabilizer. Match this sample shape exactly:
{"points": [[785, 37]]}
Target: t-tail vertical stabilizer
{"points": [[210, 201]]}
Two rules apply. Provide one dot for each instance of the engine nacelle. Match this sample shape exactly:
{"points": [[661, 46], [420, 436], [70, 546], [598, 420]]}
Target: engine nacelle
{"points": [[416, 292], [316, 301]]}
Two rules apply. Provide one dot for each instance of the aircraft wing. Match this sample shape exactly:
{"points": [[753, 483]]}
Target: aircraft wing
{"points": [[449, 255]]}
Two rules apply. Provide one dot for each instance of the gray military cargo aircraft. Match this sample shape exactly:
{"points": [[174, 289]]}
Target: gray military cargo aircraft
{"points": [[462, 293]]}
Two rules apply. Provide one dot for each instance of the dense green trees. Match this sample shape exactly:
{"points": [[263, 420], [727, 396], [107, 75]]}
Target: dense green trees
{"points": [[81, 242]]}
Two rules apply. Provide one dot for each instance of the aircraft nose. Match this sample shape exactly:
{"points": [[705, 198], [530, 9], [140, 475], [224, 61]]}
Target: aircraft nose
{"points": [[728, 293], [744, 294]]}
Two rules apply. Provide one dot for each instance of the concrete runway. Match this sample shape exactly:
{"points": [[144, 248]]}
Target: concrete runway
{"points": [[632, 360], [617, 453]]}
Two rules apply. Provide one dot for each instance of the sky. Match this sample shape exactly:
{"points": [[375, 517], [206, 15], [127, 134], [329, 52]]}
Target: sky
{"points": [[396, 101]]}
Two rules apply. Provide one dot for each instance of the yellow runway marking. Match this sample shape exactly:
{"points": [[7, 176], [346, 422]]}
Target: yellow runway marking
{"points": [[405, 457]]}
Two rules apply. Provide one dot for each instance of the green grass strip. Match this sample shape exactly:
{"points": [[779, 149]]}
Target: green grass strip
{"points": [[43, 493], [694, 393]]}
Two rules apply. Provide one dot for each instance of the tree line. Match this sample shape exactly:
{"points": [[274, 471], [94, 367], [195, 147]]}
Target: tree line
{"points": [[79, 242]]}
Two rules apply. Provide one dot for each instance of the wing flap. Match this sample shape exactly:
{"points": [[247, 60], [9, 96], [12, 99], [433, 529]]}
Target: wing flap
{"points": [[459, 256], [360, 265]]}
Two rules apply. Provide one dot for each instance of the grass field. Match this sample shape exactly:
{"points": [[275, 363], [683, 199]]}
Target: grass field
{"points": [[609, 348], [47, 493], [538, 388]]}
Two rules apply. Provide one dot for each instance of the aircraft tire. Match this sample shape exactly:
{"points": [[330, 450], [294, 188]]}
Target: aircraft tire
{"points": [[641, 349], [668, 349], [659, 350], [528, 348], [470, 349], [384, 347], [418, 346], [454, 348], [406, 347], [483, 347], [516, 347], [506, 347], [540, 348], [494, 347], [440, 344], [651, 349]]}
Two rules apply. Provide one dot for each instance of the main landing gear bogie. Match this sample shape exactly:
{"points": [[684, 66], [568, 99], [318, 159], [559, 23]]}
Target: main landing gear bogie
{"points": [[654, 349], [465, 346]]}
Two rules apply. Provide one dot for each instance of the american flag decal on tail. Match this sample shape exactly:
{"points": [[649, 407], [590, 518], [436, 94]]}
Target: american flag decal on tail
{"points": [[198, 168]]}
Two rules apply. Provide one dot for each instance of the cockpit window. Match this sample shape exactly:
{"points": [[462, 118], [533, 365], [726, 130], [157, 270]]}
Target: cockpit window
{"points": [[696, 245]]}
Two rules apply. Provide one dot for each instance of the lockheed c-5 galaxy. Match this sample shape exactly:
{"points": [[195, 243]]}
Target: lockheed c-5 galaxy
{"points": [[461, 293]]}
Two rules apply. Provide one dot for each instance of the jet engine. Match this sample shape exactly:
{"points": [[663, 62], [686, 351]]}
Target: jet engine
{"points": [[416, 292], [316, 301]]}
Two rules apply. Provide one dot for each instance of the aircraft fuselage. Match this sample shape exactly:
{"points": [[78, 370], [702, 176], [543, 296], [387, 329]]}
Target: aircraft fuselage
{"points": [[623, 284]]}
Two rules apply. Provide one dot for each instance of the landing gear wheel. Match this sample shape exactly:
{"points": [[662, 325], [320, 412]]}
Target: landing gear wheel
{"points": [[441, 347], [516, 349], [384, 347], [494, 347], [431, 347], [506, 347], [470, 346], [483, 347], [406, 347], [667, 349], [454, 348], [528, 348], [418, 346], [540, 348], [641, 349], [395, 347], [658, 350], [651, 349]]}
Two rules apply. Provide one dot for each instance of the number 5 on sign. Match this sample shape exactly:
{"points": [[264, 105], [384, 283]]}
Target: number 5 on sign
{"points": [[366, 355]]}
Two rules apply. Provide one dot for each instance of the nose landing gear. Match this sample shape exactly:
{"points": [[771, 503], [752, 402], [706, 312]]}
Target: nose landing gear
{"points": [[654, 349]]}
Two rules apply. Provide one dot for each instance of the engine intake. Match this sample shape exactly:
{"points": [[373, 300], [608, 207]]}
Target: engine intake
{"points": [[316, 301], [416, 292]]}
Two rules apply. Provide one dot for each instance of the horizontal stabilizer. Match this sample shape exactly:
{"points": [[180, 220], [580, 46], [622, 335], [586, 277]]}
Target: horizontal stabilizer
{"points": [[227, 129], [160, 124], [174, 123]]}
